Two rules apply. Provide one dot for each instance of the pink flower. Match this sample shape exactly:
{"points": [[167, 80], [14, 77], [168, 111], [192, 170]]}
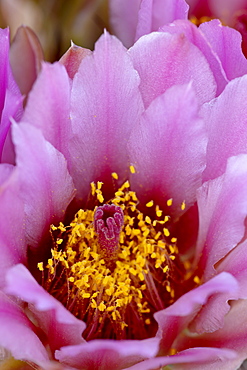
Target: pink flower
{"points": [[156, 274]]}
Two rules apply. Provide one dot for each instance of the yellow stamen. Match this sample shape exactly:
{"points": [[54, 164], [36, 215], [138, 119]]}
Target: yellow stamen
{"points": [[169, 202], [103, 289], [132, 169]]}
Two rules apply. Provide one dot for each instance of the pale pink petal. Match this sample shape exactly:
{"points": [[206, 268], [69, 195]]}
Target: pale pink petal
{"points": [[25, 57], [10, 99], [155, 13], [163, 60], [226, 123], [232, 335], [131, 19], [171, 162], [58, 324], [17, 333], [180, 315], [106, 105], [46, 186], [226, 43], [235, 263], [222, 211], [73, 57], [4, 63], [108, 354], [194, 359], [12, 225], [12, 108], [48, 106], [124, 18], [194, 35]]}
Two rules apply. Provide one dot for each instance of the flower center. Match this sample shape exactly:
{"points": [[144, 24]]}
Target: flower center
{"points": [[108, 221], [113, 266]]}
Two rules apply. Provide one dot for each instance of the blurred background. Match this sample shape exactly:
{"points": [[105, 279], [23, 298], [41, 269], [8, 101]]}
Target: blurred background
{"points": [[57, 22]]}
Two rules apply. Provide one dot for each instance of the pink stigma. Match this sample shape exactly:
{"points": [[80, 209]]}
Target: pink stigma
{"points": [[108, 222]]}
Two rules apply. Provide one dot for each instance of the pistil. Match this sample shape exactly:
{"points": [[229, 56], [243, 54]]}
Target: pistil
{"points": [[108, 222]]}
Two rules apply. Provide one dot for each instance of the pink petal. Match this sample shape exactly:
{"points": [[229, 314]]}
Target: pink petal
{"points": [[233, 335], [105, 106], [12, 232], [10, 99], [171, 162], [59, 325], [155, 13], [222, 211], [195, 36], [48, 106], [4, 64], [226, 43], [12, 108], [130, 19], [46, 186], [180, 315], [107, 354], [163, 60], [17, 333], [226, 118], [73, 57], [194, 359], [124, 18], [235, 263], [25, 57]]}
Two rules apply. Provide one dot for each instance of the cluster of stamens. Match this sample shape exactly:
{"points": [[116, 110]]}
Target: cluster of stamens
{"points": [[111, 264]]}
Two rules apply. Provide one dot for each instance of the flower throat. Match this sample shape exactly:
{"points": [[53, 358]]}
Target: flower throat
{"points": [[113, 266]]}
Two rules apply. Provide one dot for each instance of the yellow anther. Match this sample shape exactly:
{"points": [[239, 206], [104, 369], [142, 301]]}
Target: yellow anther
{"points": [[166, 232], [100, 198], [40, 266], [148, 220], [93, 188], [50, 262], [183, 205], [197, 280], [99, 185], [150, 203], [169, 202], [157, 235], [93, 303], [86, 295], [132, 169], [172, 351], [158, 211], [71, 279], [133, 196], [173, 240], [165, 269], [102, 306], [168, 288], [53, 227], [172, 258], [115, 175], [172, 249], [59, 241]]}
